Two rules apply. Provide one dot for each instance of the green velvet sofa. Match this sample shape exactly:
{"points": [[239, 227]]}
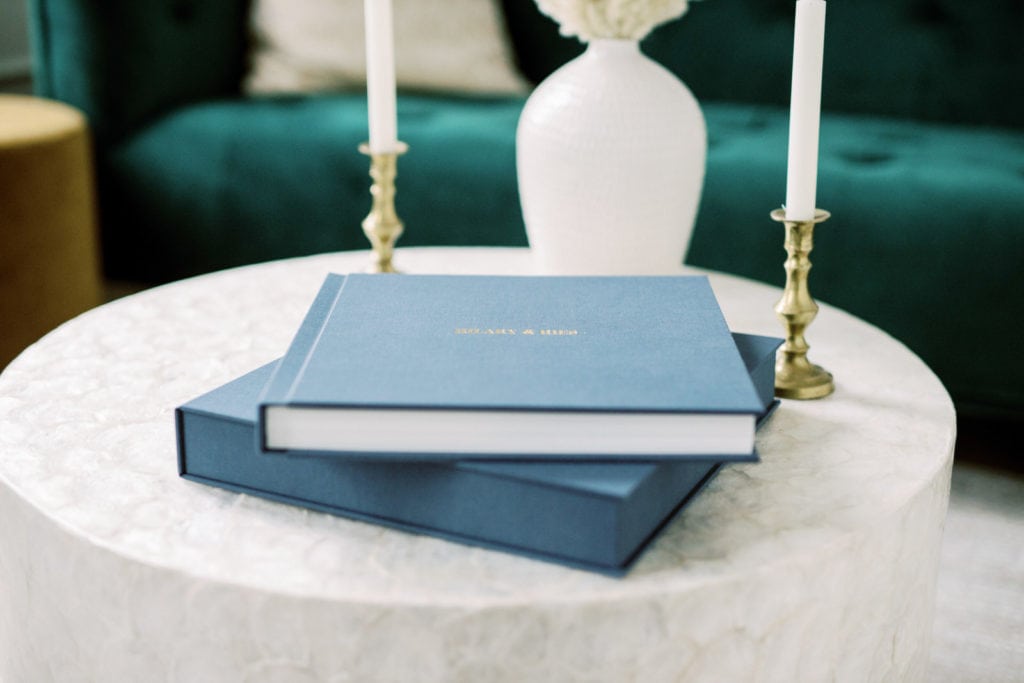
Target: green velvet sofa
{"points": [[922, 156]]}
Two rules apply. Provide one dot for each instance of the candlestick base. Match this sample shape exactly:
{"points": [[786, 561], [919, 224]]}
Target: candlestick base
{"points": [[795, 376], [382, 226]]}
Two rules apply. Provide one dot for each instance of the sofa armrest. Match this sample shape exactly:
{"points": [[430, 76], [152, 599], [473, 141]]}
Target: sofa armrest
{"points": [[124, 62]]}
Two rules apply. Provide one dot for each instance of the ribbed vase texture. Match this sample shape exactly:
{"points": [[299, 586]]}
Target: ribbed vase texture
{"points": [[611, 151]]}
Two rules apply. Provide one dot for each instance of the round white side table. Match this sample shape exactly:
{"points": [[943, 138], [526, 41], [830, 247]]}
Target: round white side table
{"points": [[817, 564]]}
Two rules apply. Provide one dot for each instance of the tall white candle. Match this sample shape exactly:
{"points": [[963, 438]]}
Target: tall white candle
{"points": [[380, 76], [805, 110]]}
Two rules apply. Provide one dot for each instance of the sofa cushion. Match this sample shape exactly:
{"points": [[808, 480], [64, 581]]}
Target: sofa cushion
{"points": [[238, 181], [440, 45]]}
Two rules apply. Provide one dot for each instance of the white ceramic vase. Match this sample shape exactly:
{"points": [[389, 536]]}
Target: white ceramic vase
{"points": [[610, 151]]}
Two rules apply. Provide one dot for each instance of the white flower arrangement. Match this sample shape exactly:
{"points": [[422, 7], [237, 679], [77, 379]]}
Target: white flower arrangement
{"points": [[615, 19]]}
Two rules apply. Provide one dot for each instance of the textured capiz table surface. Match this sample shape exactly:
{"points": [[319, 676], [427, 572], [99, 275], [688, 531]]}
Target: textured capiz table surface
{"points": [[819, 563]]}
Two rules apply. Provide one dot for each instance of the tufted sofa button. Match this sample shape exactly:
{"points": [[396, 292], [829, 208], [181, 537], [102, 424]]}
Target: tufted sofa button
{"points": [[866, 156], [757, 123]]}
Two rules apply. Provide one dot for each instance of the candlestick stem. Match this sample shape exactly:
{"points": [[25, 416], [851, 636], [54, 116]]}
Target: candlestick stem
{"points": [[795, 376], [382, 226]]}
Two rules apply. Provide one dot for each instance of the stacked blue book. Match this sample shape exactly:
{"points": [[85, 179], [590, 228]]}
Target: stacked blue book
{"points": [[566, 418]]}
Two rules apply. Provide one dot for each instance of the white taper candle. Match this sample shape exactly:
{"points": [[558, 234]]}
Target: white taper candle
{"points": [[805, 110], [380, 76]]}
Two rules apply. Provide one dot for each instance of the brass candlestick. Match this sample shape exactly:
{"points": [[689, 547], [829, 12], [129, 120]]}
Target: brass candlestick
{"points": [[382, 226], [795, 376]]}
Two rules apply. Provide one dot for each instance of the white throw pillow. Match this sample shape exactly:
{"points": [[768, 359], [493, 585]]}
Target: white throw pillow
{"points": [[446, 45]]}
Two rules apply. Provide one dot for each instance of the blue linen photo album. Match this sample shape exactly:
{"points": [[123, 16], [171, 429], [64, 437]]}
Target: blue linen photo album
{"points": [[494, 367], [596, 516]]}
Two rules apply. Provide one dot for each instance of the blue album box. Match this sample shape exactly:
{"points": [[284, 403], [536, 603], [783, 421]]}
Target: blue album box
{"points": [[595, 515]]}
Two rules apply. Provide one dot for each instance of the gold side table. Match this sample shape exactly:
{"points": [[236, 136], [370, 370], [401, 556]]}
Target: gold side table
{"points": [[49, 261]]}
